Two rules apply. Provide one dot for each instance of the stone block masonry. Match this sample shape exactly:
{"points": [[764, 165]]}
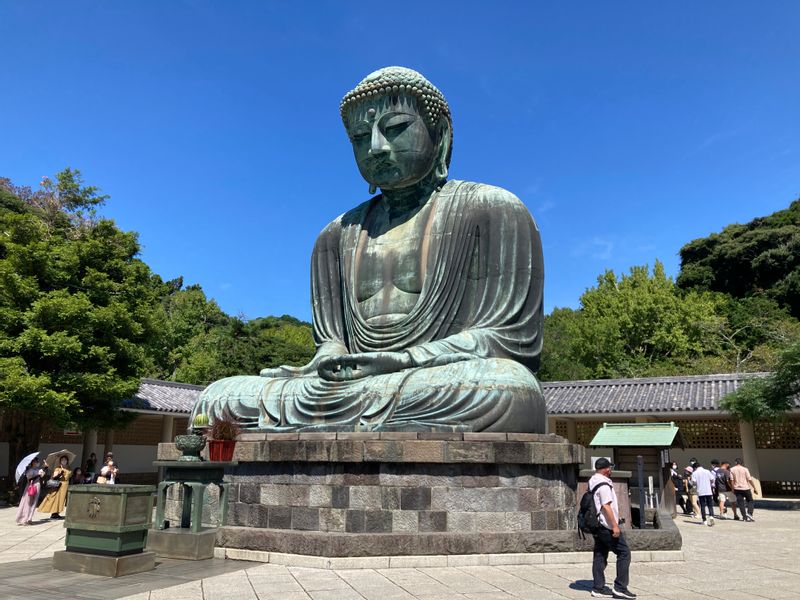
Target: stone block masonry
{"points": [[402, 493]]}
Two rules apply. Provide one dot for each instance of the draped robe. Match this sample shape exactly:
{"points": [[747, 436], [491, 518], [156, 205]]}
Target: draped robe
{"points": [[474, 335]]}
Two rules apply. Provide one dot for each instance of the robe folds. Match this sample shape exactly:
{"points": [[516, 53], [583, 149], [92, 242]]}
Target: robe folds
{"points": [[474, 335]]}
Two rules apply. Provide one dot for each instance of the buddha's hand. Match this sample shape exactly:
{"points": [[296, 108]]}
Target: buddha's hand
{"points": [[285, 371], [348, 367]]}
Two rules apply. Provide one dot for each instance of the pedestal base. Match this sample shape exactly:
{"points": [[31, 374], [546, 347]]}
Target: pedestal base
{"points": [[107, 566], [182, 543]]}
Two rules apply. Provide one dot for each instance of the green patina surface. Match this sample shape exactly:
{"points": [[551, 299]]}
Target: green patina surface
{"points": [[108, 519], [660, 435], [426, 298], [105, 542]]}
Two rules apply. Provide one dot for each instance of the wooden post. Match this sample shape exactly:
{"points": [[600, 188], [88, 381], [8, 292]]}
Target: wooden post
{"points": [[642, 501], [749, 454], [572, 431], [89, 446]]}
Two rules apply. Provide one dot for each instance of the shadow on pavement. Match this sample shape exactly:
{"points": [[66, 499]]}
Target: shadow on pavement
{"points": [[37, 580]]}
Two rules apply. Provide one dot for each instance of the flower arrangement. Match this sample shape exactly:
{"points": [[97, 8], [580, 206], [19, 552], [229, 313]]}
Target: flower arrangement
{"points": [[222, 438], [225, 429]]}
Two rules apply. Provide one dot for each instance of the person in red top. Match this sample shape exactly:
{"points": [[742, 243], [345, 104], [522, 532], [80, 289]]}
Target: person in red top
{"points": [[609, 538]]}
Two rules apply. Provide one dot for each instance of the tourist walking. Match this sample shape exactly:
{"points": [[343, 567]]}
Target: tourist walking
{"points": [[704, 480], [743, 489], [680, 489], [725, 490], [30, 492], [609, 538], [56, 498], [691, 490]]}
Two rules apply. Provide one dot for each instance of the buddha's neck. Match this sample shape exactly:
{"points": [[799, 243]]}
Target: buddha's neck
{"points": [[401, 201]]}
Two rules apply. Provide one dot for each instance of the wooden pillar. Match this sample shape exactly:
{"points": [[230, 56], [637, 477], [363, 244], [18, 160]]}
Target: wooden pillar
{"points": [[167, 426], [89, 446], [109, 445], [572, 431], [551, 424], [749, 454]]}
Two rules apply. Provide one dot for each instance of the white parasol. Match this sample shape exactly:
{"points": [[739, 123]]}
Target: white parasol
{"points": [[53, 459], [24, 464]]}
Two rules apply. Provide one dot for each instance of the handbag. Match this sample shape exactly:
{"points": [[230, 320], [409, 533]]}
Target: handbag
{"points": [[31, 491], [53, 484], [101, 479]]}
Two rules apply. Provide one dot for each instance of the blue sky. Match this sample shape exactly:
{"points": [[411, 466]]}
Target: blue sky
{"points": [[627, 128]]}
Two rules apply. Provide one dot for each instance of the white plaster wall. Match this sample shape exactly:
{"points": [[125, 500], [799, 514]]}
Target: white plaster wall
{"points": [[779, 465], [135, 459]]}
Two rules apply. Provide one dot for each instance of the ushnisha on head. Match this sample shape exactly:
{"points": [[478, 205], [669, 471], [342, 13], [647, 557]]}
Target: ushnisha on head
{"points": [[400, 126]]}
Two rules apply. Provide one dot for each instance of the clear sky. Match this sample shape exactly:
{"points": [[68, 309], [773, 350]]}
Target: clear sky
{"points": [[627, 128]]}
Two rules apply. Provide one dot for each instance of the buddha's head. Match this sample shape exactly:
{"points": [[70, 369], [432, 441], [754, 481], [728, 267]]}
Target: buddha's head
{"points": [[400, 128]]}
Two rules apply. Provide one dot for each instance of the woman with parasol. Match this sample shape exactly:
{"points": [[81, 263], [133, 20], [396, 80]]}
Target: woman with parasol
{"points": [[56, 498], [30, 489]]}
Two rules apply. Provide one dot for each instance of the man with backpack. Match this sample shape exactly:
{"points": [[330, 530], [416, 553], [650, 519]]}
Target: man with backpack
{"points": [[607, 535]]}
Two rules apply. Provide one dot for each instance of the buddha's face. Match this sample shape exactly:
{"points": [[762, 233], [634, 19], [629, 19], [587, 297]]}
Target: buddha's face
{"points": [[392, 144]]}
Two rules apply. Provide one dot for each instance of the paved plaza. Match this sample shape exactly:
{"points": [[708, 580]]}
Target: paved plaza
{"points": [[730, 561]]}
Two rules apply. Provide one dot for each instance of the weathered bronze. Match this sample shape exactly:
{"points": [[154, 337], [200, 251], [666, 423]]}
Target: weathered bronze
{"points": [[427, 298]]}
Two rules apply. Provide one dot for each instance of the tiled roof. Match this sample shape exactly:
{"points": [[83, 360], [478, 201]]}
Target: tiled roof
{"points": [[164, 396], [694, 393]]}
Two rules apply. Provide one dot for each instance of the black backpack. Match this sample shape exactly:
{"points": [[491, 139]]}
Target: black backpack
{"points": [[588, 519]]}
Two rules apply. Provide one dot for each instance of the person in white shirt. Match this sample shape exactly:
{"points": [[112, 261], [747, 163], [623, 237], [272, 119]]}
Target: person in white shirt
{"points": [[705, 481], [609, 537]]}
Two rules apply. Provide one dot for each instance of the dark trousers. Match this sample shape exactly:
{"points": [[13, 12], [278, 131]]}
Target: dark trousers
{"points": [[706, 503], [744, 500], [603, 543]]}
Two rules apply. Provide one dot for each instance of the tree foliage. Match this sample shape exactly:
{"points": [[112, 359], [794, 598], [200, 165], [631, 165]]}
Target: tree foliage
{"points": [[634, 325], [200, 343], [761, 257], [76, 309], [769, 397]]}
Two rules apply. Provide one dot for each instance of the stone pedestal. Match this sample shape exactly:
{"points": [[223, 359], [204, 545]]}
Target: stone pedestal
{"points": [[182, 543], [107, 566], [371, 494]]}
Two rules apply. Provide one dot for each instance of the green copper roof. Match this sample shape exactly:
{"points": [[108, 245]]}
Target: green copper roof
{"points": [[660, 435]]}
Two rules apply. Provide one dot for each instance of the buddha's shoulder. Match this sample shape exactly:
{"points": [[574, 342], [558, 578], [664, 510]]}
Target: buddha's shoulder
{"points": [[351, 217], [483, 195]]}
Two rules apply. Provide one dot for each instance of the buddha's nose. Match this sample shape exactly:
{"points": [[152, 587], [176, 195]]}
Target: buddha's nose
{"points": [[378, 144]]}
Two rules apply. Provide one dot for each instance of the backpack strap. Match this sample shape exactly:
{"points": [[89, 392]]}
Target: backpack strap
{"points": [[599, 485]]}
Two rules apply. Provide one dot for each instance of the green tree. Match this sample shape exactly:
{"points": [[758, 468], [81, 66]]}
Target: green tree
{"points": [[76, 311], [768, 397], [562, 333], [633, 325]]}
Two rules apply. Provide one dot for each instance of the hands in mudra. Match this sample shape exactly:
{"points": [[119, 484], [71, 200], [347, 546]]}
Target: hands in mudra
{"points": [[346, 367], [349, 367]]}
